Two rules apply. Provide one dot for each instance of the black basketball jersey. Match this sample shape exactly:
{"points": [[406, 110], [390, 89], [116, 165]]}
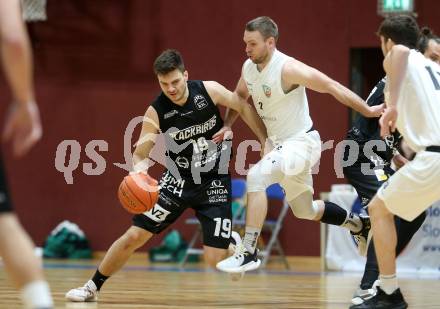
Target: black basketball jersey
{"points": [[188, 132], [368, 129]]}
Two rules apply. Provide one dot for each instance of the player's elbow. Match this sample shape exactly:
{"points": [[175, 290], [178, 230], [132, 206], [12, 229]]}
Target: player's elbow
{"points": [[240, 105], [240, 108], [15, 43]]}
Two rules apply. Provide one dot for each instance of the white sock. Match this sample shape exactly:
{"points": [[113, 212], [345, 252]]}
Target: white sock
{"points": [[388, 283], [36, 295], [250, 238]]}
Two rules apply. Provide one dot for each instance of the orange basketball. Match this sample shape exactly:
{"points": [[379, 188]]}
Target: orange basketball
{"points": [[138, 193]]}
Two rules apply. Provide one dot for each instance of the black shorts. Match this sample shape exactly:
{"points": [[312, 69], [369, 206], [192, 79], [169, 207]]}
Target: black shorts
{"points": [[211, 201], [366, 185], [5, 202]]}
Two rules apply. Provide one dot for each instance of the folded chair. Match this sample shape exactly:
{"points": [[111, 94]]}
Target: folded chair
{"points": [[272, 225]]}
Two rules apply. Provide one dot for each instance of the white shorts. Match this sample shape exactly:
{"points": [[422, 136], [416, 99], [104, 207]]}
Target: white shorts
{"points": [[289, 164], [414, 187]]}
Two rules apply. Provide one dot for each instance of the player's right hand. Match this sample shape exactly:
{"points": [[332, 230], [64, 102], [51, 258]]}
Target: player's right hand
{"points": [[224, 133], [399, 160], [377, 110], [23, 127], [388, 121]]}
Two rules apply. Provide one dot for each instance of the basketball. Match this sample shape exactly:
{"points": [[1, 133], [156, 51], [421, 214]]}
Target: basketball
{"points": [[138, 193]]}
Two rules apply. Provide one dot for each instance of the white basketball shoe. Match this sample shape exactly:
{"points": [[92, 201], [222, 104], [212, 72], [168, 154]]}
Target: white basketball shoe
{"points": [[86, 293]]}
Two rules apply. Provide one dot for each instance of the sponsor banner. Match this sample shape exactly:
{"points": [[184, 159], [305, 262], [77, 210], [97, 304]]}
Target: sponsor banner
{"points": [[422, 255]]}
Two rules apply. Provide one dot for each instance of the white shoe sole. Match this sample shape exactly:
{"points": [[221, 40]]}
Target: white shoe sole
{"points": [[80, 299], [360, 300], [241, 269], [357, 300]]}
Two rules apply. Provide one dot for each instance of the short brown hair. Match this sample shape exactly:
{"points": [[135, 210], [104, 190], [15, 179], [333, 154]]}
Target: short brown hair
{"points": [[402, 29], [168, 61], [265, 25]]}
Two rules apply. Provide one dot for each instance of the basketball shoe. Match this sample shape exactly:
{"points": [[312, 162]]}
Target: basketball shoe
{"points": [[241, 261], [383, 301], [234, 245], [86, 293], [362, 295]]}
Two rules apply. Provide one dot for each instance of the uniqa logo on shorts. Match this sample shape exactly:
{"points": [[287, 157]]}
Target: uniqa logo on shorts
{"points": [[216, 188], [217, 183], [217, 191]]}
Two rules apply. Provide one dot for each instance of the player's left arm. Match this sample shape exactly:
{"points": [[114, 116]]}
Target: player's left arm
{"points": [[220, 95], [23, 124], [395, 65], [297, 73]]}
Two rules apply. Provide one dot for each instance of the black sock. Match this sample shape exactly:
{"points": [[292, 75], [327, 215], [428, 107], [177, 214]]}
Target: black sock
{"points": [[99, 279], [333, 214], [371, 272]]}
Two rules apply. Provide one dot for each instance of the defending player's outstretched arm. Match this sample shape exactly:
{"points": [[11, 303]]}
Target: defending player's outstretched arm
{"points": [[231, 100], [297, 73]]}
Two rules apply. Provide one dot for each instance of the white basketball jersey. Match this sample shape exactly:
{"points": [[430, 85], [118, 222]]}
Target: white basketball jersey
{"points": [[419, 103], [285, 115]]}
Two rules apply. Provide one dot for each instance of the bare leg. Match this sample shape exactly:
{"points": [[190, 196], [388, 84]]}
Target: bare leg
{"points": [[122, 249], [385, 239], [213, 255], [303, 208], [255, 215], [256, 209], [17, 251], [23, 266]]}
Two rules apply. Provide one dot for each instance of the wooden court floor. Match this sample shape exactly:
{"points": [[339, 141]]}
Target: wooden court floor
{"points": [[142, 285]]}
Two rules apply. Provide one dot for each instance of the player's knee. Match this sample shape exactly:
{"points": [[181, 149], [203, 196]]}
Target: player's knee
{"points": [[377, 209], [255, 181], [135, 238], [305, 211]]}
